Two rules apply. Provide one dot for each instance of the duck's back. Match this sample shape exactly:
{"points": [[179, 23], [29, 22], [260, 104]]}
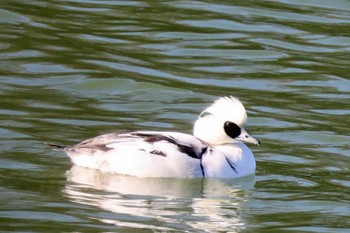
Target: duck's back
{"points": [[141, 153]]}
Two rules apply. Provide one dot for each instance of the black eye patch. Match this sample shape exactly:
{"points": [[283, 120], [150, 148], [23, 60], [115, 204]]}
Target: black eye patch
{"points": [[231, 129]]}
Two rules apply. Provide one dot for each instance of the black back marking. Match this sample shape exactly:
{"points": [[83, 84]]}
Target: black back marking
{"points": [[186, 149], [102, 147], [157, 152]]}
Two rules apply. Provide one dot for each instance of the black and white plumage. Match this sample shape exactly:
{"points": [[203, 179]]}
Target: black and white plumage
{"points": [[215, 150]]}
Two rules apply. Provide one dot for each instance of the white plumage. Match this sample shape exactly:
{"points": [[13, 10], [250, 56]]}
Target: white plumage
{"points": [[215, 150]]}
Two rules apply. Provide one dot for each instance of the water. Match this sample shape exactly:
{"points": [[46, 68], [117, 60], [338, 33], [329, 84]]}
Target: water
{"points": [[71, 70]]}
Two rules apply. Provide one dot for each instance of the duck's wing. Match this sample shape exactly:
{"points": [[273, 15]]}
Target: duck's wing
{"points": [[153, 142]]}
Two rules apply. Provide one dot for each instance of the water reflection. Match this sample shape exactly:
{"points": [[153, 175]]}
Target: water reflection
{"points": [[161, 204]]}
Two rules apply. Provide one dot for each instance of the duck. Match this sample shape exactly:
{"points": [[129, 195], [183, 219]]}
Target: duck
{"points": [[216, 149]]}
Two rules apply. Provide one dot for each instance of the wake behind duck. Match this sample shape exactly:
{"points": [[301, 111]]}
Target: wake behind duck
{"points": [[215, 149]]}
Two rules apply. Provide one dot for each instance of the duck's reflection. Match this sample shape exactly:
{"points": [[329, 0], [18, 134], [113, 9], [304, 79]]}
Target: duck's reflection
{"points": [[162, 204]]}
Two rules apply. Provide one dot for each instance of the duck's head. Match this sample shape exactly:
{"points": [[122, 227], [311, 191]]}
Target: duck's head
{"points": [[223, 122]]}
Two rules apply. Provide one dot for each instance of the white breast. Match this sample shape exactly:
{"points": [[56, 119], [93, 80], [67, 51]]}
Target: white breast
{"points": [[229, 161]]}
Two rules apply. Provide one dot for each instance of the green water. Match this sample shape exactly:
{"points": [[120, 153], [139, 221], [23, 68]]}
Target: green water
{"points": [[70, 70]]}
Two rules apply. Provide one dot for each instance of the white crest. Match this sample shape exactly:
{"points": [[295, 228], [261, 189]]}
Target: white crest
{"points": [[229, 109], [209, 126]]}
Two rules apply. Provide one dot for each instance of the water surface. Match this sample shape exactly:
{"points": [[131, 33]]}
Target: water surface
{"points": [[71, 70]]}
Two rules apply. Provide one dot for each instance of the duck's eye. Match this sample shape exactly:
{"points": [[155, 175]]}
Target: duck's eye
{"points": [[231, 129], [229, 124]]}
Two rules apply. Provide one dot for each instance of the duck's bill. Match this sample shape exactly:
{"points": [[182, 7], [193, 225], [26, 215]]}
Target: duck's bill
{"points": [[247, 138]]}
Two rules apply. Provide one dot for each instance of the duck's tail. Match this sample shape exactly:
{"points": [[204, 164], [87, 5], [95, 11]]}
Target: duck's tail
{"points": [[56, 146]]}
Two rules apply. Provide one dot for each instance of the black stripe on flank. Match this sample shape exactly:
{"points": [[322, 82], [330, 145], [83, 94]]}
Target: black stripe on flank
{"points": [[231, 165], [202, 168]]}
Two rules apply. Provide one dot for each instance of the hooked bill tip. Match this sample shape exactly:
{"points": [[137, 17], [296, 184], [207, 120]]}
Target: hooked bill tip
{"points": [[259, 143]]}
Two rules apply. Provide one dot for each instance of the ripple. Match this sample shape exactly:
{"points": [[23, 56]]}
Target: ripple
{"points": [[245, 11], [239, 27], [36, 215], [335, 41], [237, 54], [294, 47], [11, 17]]}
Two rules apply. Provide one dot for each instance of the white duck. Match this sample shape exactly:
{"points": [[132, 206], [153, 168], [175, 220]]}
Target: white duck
{"points": [[215, 150]]}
